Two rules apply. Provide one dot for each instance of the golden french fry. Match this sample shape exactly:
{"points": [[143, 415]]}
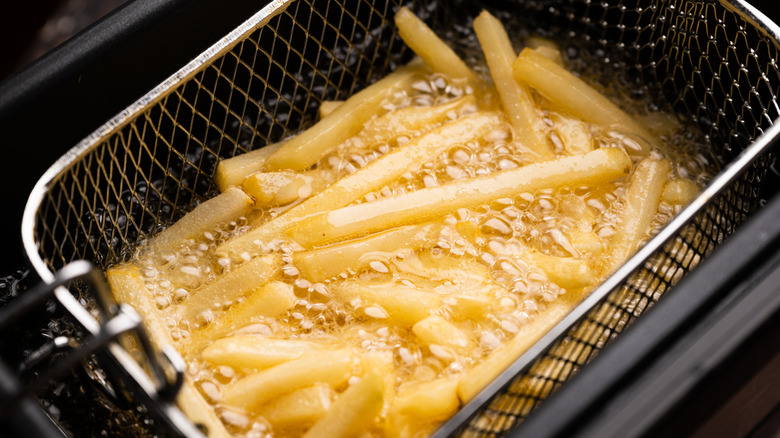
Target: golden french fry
{"points": [[233, 171], [255, 351], [373, 177], [574, 134], [322, 263], [575, 96], [641, 205], [333, 367], [308, 147], [679, 191], [450, 268], [566, 272], [435, 330], [299, 408], [547, 48], [328, 106], [283, 187], [352, 411], [405, 305], [221, 209], [128, 287], [429, 401], [230, 286], [413, 119], [436, 54], [600, 165], [270, 300], [381, 363], [515, 97]]}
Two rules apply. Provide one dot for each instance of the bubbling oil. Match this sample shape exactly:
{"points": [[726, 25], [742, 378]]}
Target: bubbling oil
{"points": [[477, 254]]}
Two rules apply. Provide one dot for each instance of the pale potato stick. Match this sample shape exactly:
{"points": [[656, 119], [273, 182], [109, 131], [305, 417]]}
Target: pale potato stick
{"points": [[575, 96], [333, 367], [429, 401], [322, 263], [381, 363], [353, 410], [270, 300], [405, 305], [455, 269], [566, 272], [546, 48], [436, 54], [515, 97], [413, 118], [233, 171], [600, 165], [199, 411], [299, 408], [435, 330], [308, 147], [128, 287], [328, 106], [282, 187], [469, 307], [574, 134], [255, 351], [680, 191], [218, 210], [231, 286], [641, 205], [373, 177], [497, 361], [587, 242]]}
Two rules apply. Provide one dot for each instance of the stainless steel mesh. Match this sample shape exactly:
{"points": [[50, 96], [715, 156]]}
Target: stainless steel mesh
{"points": [[711, 61]]}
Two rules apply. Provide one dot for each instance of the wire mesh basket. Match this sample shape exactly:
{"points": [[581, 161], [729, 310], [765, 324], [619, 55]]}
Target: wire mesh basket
{"points": [[713, 62]]}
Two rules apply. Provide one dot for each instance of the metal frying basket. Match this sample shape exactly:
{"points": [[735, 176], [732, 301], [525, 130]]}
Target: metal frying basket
{"points": [[714, 62]]}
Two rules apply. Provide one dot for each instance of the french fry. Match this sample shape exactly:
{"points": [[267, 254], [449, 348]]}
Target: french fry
{"points": [[128, 287], [575, 96], [574, 134], [546, 48], [333, 367], [405, 305], [308, 147], [600, 165], [328, 106], [381, 363], [216, 211], [322, 263], [435, 330], [429, 401], [450, 268], [270, 300], [679, 191], [566, 272], [283, 187], [231, 286], [641, 205], [436, 54], [233, 171], [413, 119], [475, 379], [299, 408], [515, 97], [374, 176], [255, 351], [352, 411]]}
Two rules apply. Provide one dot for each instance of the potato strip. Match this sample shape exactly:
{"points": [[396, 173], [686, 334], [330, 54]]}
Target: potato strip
{"points": [[515, 97], [436, 54], [575, 96], [308, 147], [594, 167]]}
